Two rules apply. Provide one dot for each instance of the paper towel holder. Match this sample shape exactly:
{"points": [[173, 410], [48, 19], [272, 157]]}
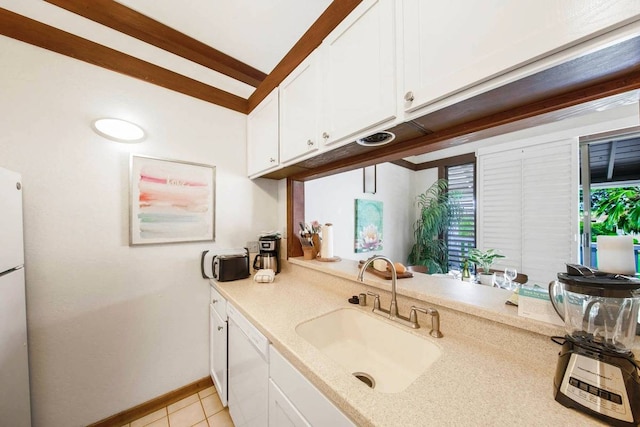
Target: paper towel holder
{"points": [[369, 179]]}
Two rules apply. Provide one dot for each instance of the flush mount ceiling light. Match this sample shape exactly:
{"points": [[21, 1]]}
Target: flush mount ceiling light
{"points": [[379, 138], [118, 130]]}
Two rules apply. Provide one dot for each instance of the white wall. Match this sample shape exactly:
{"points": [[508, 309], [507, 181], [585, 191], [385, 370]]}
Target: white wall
{"points": [[332, 200], [112, 326], [422, 180]]}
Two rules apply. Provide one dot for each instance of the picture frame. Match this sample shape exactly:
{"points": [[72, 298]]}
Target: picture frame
{"points": [[170, 201], [368, 226]]}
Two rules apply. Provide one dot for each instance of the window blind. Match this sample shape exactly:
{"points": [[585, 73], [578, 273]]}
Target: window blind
{"points": [[461, 234]]}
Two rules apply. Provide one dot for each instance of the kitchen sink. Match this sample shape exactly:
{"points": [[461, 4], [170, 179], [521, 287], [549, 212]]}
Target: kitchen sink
{"points": [[381, 355]]}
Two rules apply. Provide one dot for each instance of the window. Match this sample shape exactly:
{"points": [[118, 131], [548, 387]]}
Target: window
{"points": [[461, 235]]}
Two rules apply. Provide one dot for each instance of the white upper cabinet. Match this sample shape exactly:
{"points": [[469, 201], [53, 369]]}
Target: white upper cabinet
{"points": [[300, 96], [262, 136], [452, 45], [359, 86]]}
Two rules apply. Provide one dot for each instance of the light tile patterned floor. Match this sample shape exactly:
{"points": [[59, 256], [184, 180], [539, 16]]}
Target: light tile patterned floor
{"points": [[202, 409]]}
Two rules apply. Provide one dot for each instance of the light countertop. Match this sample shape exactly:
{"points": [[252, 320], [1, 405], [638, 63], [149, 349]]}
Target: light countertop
{"points": [[495, 369]]}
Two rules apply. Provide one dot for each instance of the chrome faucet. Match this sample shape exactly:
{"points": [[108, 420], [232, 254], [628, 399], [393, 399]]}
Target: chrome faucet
{"points": [[393, 309], [392, 313]]}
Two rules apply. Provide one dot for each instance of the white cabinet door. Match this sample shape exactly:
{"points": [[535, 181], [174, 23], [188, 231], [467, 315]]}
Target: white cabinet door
{"points": [[11, 246], [218, 353], [453, 45], [282, 413], [262, 136], [15, 408], [299, 109], [359, 85]]}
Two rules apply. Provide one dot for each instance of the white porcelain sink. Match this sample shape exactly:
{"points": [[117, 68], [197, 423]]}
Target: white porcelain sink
{"points": [[360, 342]]}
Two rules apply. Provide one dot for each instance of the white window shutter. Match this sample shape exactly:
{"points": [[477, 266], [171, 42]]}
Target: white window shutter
{"points": [[528, 207], [500, 205], [550, 209]]}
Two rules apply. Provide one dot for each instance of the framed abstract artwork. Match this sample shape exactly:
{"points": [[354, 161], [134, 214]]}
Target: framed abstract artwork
{"points": [[171, 201], [368, 230]]}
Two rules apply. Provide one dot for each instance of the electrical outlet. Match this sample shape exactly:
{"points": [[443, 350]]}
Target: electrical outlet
{"points": [[253, 247]]}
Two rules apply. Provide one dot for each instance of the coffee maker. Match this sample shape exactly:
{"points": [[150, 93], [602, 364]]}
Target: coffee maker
{"points": [[597, 372], [269, 255]]}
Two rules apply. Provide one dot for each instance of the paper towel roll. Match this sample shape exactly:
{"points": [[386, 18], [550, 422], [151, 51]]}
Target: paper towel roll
{"points": [[326, 249]]}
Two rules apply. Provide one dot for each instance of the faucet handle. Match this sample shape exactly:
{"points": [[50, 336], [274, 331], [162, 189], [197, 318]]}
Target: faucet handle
{"points": [[413, 316], [376, 301], [435, 319]]}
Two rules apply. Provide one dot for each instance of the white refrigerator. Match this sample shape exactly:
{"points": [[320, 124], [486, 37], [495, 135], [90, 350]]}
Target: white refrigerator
{"points": [[15, 406]]}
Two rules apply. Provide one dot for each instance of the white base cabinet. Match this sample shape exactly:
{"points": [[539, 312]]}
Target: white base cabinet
{"points": [[218, 343], [282, 413], [294, 401]]}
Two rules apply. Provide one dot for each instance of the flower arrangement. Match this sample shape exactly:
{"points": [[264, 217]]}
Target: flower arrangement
{"points": [[315, 227]]}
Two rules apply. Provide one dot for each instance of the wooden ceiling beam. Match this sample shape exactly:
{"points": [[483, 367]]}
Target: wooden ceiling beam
{"points": [[337, 11], [128, 21], [45, 36]]}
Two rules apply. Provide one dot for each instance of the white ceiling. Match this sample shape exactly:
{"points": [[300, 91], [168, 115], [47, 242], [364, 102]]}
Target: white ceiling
{"points": [[256, 32]]}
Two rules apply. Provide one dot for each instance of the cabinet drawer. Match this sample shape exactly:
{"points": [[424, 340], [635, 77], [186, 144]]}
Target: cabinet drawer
{"points": [[307, 399], [218, 303]]}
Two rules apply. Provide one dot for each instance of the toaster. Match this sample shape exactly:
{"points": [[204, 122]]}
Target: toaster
{"points": [[225, 268]]}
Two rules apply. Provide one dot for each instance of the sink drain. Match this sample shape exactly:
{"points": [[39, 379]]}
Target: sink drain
{"points": [[365, 378]]}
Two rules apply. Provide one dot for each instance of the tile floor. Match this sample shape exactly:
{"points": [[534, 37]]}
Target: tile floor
{"points": [[202, 409]]}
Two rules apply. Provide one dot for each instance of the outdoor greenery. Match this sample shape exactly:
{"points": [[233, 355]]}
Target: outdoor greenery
{"points": [[615, 209], [436, 209], [620, 208]]}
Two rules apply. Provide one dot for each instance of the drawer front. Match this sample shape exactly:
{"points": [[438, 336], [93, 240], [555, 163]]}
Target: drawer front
{"points": [[218, 303], [305, 397]]}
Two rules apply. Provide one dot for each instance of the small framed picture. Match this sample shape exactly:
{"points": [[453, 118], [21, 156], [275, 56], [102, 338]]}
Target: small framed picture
{"points": [[170, 201]]}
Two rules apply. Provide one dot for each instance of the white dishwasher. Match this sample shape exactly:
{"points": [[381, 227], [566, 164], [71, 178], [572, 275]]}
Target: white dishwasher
{"points": [[248, 372]]}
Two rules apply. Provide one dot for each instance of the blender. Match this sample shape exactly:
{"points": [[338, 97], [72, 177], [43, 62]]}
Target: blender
{"points": [[597, 372]]}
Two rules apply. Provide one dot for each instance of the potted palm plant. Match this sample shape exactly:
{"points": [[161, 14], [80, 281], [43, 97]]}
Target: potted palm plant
{"points": [[436, 210], [483, 261]]}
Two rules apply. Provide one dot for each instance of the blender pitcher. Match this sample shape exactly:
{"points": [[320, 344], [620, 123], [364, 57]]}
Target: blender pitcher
{"points": [[599, 309]]}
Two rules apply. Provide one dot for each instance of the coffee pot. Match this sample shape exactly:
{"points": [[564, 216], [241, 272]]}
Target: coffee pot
{"points": [[269, 256], [265, 261]]}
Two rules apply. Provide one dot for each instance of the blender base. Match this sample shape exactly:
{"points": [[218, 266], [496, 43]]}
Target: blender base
{"points": [[598, 382]]}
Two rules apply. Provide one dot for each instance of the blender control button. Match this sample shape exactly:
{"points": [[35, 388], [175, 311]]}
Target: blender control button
{"points": [[593, 390], [584, 386], [616, 398], [574, 382], [604, 394]]}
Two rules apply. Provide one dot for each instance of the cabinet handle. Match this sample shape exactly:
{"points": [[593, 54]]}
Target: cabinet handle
{"points": [[214, 301], [310, 143], [409, 96], [220, 328], [325, 135], [272, 160]]}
